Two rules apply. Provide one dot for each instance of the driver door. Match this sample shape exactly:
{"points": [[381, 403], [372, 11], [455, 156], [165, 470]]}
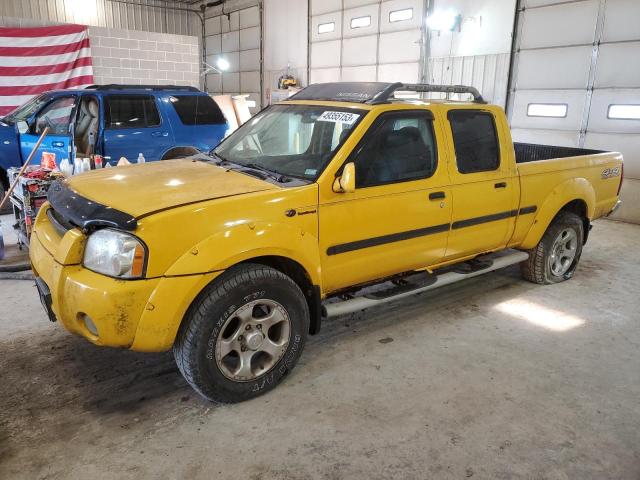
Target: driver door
{"points": [[397, 220], [57, 115]]}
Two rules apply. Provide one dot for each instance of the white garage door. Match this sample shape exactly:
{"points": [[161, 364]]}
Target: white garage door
{"points": [[576, 81], [236, 39], [364, 40]]}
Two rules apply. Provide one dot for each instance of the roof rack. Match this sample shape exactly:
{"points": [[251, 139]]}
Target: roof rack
{"points": [[114, 86], [374, 93], [386, 94]]}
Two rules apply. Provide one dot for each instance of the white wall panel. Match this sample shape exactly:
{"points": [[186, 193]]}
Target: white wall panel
{"points": [[231, 41], [322, 75], [554, 68], [335, 18], [249, 82], [400, 47], [546, 137], [359, 51], [325, 54], [370, 11], [549, 26], [250, 38], [398, 72], [621, 21], [249, 60], [324, 6], [389, 6], [358, 74], [249, 17], [619, 65], [575, 100], [598, 121], [628, 145]]}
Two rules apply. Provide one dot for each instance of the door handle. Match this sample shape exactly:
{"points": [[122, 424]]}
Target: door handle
{"points": [[436, 196], [500, 185], [160, 134]]}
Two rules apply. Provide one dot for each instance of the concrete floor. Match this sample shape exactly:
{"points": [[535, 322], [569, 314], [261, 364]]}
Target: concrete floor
{"points": [[495, 378]]}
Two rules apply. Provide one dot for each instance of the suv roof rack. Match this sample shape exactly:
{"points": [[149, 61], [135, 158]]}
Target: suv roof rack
{"points": [[114, 86], [374, 93]]}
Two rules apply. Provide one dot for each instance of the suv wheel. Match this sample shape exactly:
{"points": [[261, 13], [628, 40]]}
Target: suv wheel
{"points": [[243, 335], [556, 257]]}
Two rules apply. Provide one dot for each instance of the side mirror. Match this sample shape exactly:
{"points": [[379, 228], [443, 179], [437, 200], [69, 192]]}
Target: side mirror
{"points": [[346, 183], [22, 127]]}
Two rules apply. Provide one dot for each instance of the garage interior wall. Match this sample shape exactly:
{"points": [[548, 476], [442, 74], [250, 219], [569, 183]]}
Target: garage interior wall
{"points": [[234, 36], [360, 40], [579, 58], [103, 13], [286, 29], [129, 44], [478, 51]]}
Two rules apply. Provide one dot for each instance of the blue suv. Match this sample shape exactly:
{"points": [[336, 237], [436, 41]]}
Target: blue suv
{"points": [[161, 122]]}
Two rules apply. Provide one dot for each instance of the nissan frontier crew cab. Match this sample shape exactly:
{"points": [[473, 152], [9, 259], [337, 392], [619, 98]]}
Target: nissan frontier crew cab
{"points": [[337, 200]]}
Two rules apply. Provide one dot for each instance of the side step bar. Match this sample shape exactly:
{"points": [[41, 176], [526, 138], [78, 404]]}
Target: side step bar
{"points": [[462, 271]]}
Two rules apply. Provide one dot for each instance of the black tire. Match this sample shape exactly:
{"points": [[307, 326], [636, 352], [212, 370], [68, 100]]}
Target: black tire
{"points": [[197, 341], [537, 268]]}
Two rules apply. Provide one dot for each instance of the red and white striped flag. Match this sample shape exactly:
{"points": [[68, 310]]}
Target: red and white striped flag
{"points": [[36, 60]]}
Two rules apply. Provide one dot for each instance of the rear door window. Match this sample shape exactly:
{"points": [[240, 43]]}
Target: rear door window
{"points": [[475, 140], [131, 111], [197, 109]]}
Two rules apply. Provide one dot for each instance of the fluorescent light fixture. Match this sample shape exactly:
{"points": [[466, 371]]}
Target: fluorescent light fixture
{"points": [[443, 20], [624, 112], [223, 64], [401, 15], [550, 110], [326, 27], [360, 22]]}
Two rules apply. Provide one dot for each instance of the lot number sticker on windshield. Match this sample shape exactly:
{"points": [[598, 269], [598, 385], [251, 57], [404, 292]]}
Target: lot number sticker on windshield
{"points": [[339, 117]]}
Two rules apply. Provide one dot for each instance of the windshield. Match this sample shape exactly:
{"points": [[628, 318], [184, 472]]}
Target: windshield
{"points": [[293, 140], [20, 114]]}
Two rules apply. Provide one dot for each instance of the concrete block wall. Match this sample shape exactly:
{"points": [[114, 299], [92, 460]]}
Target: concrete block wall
{"points": [[137, 57]]}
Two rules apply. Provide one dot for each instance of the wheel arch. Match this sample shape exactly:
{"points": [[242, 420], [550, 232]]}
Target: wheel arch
{"points": [[180, 152], [575, 195], [302, 278]]}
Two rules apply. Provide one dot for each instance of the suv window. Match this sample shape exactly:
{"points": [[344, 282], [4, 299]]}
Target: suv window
{"points": [[399, 147], [131, 111], [56, 115], [475, 140], [197, 109]]}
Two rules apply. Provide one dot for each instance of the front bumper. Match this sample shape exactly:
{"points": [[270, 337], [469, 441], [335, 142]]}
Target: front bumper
{"points": [[142, 315]]}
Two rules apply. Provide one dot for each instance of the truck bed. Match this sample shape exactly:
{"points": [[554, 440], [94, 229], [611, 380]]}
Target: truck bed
{"points": [[532, 152]]}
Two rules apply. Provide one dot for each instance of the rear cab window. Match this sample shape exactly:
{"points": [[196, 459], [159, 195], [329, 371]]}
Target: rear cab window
{"points": [[197, 110], [475, 139], [131, 111]]}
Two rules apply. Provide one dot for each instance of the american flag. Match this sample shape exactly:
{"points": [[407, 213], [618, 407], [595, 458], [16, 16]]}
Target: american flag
{"points": [[36, 60]]}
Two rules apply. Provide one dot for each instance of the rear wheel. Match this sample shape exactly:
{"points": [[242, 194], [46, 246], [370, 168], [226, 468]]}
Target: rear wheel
{"points": [[556, 257], [243, 335]]}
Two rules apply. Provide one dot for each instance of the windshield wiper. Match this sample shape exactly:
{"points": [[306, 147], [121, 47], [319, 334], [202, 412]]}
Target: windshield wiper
{"points": [[277, 176]]}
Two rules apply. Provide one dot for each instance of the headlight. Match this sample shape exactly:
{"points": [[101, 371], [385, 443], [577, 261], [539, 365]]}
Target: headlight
{"points": [[115, 253]]}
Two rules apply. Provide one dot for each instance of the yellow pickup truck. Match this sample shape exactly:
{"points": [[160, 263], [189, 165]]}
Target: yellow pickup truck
{"points": [[340, 199]]}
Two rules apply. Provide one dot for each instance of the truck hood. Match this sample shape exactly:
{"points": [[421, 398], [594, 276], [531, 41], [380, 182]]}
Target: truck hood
{"points": [[140, 190]]}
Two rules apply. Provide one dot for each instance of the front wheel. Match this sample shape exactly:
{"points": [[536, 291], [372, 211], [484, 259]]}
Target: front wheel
{"points": [[243, 335], [556, 257]]}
